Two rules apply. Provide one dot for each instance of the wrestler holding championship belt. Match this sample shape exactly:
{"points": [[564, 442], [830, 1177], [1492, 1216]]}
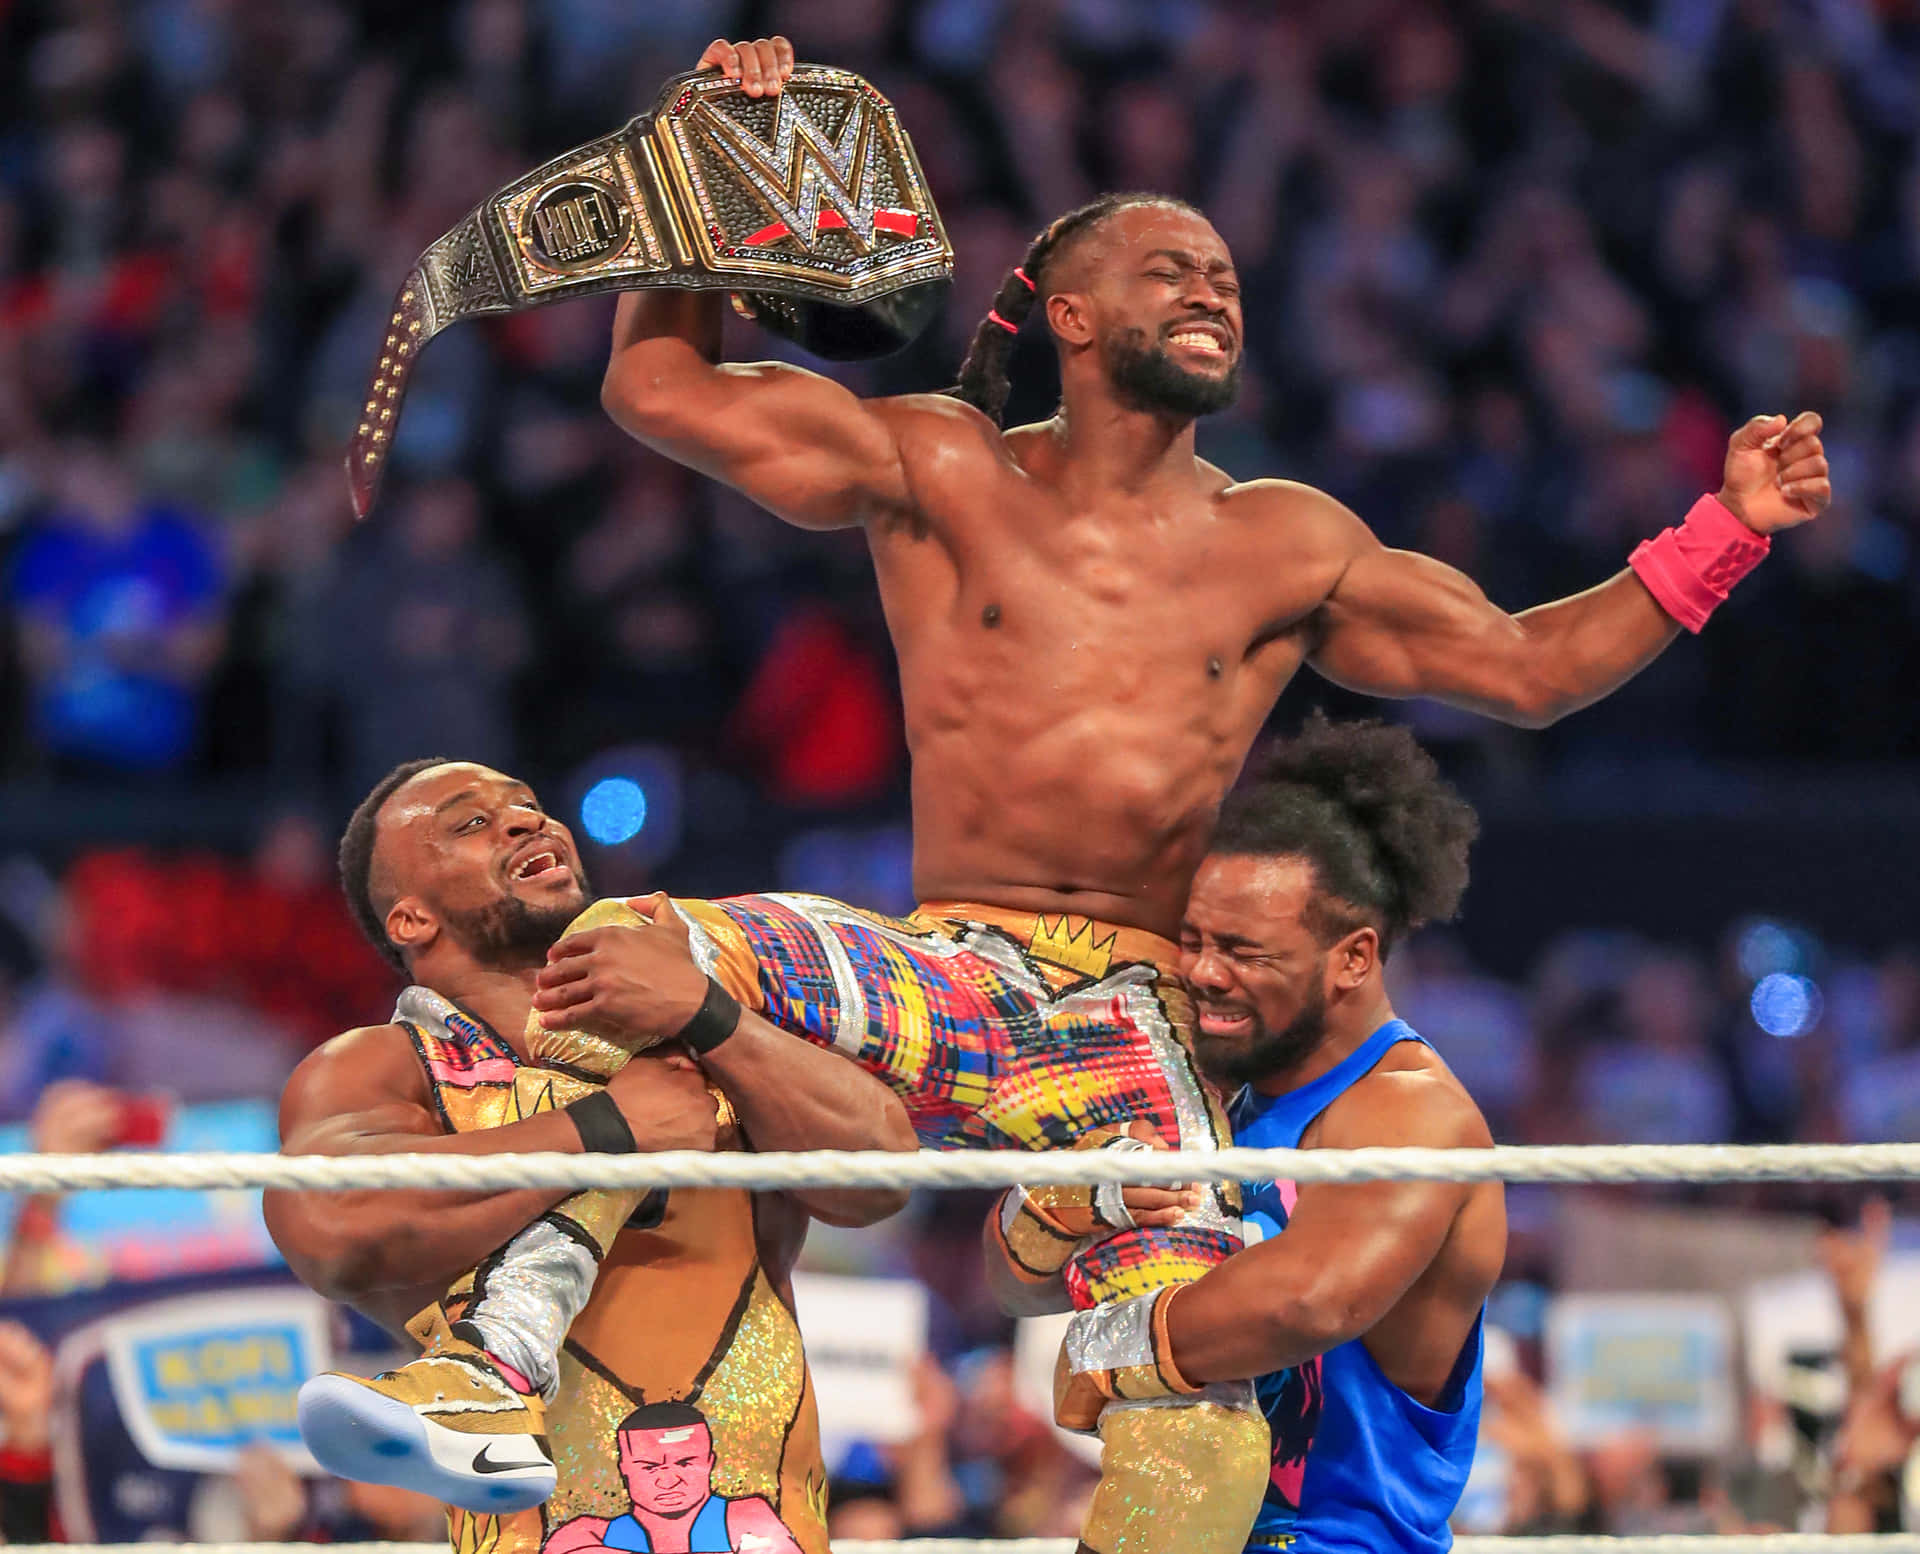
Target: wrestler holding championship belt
{"points": [[811, 210], [1092, 626]]}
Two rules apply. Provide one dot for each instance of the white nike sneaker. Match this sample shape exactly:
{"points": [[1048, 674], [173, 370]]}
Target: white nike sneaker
{"points": [[449, 1425]]}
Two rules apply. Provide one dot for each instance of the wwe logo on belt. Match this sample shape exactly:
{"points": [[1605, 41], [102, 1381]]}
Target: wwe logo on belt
{"points": [[808, 178]]}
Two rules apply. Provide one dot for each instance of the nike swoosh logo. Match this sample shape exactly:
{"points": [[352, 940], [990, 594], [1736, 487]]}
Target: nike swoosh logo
{"points": [[482, 1463]]}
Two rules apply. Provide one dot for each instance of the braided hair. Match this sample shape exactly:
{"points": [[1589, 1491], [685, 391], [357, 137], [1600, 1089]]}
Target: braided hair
{"points": [[983, 375]]}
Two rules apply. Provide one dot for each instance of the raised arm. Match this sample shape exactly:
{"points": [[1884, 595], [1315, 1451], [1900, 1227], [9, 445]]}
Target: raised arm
{"points": [[364, 1094], [800, 445], [790, 1094], [1401, 624]]}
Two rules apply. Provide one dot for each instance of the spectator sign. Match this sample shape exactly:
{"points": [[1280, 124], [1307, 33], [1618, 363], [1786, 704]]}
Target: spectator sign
{"points": [[863, 1338], [1799, 1312], [199, 1378], [1658, 1364]]}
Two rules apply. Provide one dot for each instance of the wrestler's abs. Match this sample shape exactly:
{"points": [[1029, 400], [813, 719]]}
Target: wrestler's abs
{"points": [[1080, 692]]}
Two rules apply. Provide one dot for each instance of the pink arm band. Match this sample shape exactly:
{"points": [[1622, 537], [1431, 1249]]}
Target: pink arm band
{"points": [[1691, 570]]}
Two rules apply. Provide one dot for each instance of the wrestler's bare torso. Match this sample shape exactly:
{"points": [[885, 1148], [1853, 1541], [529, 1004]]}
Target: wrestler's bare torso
{"points": [[1093, 623], [1083, 681]]}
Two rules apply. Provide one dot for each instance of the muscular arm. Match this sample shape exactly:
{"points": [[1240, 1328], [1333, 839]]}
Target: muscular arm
{"points": [[1398, 624], [1348, 1253], [629, 983], [800, 445], [791, 1094], [363, 1094], [1401, 624]]}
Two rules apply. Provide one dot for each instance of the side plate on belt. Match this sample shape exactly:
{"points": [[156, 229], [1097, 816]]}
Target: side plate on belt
{"points": [[809, 206]]}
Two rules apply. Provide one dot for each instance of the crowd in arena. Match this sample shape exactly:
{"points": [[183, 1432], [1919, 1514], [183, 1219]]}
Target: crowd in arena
{"points": [[1513, 269]]}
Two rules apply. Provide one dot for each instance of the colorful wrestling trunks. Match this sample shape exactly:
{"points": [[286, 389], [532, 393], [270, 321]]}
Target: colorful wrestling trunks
{"points": [[999, 1030], [708, 1417]]}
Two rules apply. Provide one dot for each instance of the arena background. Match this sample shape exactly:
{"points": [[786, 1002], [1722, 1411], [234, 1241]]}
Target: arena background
{"points": [[1513, 269]]}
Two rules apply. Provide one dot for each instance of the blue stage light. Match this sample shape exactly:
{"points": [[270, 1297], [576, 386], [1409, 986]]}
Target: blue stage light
{"points": [[614, 810], [1766, 948], [1785, 1005]]}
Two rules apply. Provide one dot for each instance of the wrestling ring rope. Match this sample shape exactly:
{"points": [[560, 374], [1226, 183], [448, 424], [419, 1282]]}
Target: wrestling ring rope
{"points": [[1604, 1164], [1763, 1543], [1567, 1164]]}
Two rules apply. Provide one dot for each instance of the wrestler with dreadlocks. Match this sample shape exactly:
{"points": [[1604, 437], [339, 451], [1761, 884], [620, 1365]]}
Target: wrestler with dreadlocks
{"points": [[1092, 624]]}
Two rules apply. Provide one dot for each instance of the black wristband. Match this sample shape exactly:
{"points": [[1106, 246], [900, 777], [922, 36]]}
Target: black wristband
{"points": [[602, 1130], [717, 1018]]}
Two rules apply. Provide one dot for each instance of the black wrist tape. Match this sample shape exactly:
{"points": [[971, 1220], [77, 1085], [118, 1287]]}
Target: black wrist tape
{"points": [[603, 1131], [717, 1018]]}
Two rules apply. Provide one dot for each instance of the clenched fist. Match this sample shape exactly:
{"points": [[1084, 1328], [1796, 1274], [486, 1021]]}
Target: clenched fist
{"points": [[1776, 473], [761, 65]]}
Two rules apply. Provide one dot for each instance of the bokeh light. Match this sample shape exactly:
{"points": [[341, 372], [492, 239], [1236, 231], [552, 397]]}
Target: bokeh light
{"points": [[1786, 1005], [1766, 948], [614, 810]]}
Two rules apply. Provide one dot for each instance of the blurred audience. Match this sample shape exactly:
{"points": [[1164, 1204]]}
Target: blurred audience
{"points": [[118, 605], [265, 1501], [1876, 1449], [72, 1117], [1512, 272], [26, 1461]]}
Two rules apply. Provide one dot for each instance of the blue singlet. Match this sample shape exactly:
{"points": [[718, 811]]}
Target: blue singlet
{"points": [[708, 1534], [1357, 1463]]}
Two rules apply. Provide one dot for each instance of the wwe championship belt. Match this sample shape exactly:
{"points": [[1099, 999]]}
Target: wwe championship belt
{"points": [[809, 206]]}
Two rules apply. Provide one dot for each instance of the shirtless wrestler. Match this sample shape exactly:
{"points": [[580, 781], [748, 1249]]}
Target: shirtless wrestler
{"points": [[1357, 1308], [1092, 624], [565, 1316]]}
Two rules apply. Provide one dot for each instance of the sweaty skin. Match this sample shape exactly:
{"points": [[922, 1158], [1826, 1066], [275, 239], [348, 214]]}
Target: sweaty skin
{"points": [[1092, 623]]}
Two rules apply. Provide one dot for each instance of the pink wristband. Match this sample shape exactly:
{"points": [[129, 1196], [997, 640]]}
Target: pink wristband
{"points": [[1691, 570]]}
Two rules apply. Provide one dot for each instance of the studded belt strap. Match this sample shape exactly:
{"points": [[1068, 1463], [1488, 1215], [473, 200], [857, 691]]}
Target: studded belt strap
{"points": [[810, 204]]}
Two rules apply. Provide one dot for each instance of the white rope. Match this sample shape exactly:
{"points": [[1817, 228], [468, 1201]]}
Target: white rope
{"points": [[1661, 1543], [1766, 1543], [1609, 1163]]}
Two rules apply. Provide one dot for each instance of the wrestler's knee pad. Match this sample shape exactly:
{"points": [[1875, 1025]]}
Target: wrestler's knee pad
{"points": [[1145, 1258], [1181, 1476]]}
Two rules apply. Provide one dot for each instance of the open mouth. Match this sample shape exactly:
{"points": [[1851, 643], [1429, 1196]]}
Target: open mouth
{"points": [[1202, 340], [1225, 1022], [540, 864]]}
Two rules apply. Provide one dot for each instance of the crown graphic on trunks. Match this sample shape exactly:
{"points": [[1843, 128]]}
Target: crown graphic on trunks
{"points": [[1073, 947], [809, 206]]}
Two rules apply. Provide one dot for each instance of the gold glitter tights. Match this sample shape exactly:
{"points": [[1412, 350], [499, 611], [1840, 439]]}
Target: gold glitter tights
{"points": [[1177, 1479]]}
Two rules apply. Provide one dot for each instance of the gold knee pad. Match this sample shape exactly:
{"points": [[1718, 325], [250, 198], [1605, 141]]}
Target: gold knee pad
{"points": [[1177, 1478]]}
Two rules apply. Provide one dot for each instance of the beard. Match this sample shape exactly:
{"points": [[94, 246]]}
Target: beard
{"points": [[1267, 1051], [511, 934], [1146, 377]]}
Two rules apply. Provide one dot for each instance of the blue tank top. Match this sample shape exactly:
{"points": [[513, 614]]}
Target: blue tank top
{"points": [[708, 1535], [1357, 1463]]}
